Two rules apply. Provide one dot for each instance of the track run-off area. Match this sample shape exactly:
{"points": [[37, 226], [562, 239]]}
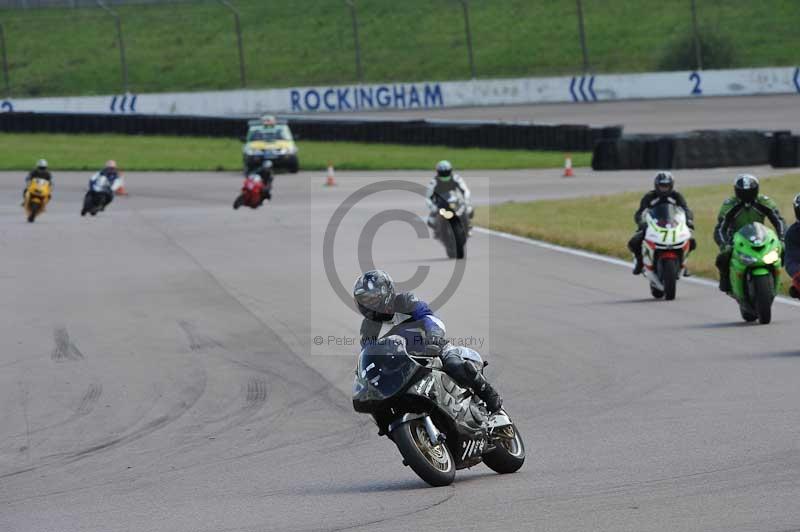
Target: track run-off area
{"points": [[160, 370]]}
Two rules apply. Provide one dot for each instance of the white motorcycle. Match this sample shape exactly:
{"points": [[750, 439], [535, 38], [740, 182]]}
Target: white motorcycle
{"points": [[665, 248]]}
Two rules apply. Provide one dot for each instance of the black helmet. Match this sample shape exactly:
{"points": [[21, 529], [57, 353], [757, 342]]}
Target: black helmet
{"points": [[444, 170], [374, 295], [746, 188], [664, 184], [796, 204]]}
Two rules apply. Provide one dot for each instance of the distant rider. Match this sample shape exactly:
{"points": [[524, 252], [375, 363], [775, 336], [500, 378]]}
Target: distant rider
{"points": [[99, 183], [375, 297], [440, 187], [792, 257], [40, 172], [663, 192], [265, 172], [746, 207], [110, 171]]}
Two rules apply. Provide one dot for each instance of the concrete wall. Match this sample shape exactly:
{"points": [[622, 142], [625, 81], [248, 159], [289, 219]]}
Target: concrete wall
{"points": [[431, 95]]}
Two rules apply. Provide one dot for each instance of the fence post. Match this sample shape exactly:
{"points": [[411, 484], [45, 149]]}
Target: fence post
{"points": [[468, 32], [354, 17], [582, 32], [121, 42], [5, 62], [698, 56], [238, 25]]}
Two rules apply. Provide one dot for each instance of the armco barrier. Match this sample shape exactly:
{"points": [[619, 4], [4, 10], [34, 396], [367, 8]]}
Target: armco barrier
{"points": [[464, 134], [698, 149]]}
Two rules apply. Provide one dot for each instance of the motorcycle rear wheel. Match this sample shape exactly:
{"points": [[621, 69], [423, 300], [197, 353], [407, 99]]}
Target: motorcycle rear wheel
{"points": [[658, 294], [509, 452], [432, 463]]}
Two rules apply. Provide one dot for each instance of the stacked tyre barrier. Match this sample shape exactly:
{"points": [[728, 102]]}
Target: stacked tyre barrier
{"points": [[698, 149], [461, 134]]}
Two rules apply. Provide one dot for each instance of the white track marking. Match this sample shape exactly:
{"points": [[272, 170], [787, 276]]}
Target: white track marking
{"points": [[603, 258]]}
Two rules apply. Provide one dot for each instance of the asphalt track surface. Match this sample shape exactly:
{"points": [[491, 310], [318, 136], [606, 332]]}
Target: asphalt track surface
{"points": [[773, 112], [158, 373]]}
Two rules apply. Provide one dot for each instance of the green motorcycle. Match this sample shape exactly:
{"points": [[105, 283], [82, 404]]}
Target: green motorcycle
{"points": [[755, 271]]}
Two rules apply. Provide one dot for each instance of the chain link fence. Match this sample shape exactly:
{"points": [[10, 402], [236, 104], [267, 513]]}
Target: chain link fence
{"points": [[82, 47]]}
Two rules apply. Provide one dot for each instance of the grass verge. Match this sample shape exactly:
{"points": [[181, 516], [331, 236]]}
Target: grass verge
{"points": [[132, 152], [604, 224], [186, 46]]}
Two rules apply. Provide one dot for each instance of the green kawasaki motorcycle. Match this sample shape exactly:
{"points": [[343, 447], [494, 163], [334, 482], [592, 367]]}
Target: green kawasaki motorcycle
{"points": [[755, 271]]}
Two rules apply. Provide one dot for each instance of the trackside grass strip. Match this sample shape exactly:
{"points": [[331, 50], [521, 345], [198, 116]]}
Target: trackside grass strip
{"points": [[134, 152], [604, 224]]}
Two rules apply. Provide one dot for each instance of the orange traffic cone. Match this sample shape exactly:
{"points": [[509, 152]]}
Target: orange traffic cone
{"points": [[568, 166], [330, 181]]}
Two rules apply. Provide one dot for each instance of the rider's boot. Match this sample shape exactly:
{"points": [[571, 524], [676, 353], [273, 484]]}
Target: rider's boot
{"points": [[724, 282], [638, 266], [487, 393]]}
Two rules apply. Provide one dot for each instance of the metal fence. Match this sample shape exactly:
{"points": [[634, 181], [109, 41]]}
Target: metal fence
{"points": [[345, 41]]}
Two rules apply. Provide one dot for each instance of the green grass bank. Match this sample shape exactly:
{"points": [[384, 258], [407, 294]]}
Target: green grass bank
{"points": [[192, 45], [88, 152], [604, 224]]}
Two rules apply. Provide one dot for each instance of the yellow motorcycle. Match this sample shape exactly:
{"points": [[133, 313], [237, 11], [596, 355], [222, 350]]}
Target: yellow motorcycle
{"points": [[37, 196]]}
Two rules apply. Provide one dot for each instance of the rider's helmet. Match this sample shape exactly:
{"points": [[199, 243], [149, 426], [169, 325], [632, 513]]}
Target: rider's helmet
{"points": [[266, 166], [268, 120], [746, 188], [110, 167], [373, 292], [444, 170], [796, 204], [664, 184], [41, 164]]}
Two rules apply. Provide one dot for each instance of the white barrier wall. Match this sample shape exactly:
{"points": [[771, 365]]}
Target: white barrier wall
{"points": [[431, 95]]}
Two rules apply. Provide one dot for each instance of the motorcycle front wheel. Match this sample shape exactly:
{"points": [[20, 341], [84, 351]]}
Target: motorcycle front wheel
{"points": [[763, 294], [432, 463], [34, 208], [669, 277], [238, 202], [509, 452]]}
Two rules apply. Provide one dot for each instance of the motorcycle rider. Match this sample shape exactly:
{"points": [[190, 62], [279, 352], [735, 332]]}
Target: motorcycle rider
{"points": [[40, 172], [101, 181], [265, 173], [792, 257], [440, 187], [111, 171], [375, 297], [663, 192], [746, 207]]}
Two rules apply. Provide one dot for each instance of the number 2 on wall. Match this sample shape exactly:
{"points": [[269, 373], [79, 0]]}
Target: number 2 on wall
{"points": [[696, 78]]}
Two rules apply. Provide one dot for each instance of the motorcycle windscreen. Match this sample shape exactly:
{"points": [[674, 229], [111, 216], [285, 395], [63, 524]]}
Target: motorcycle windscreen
{"points": [[386, 366], [755, 233], [665, 215]]}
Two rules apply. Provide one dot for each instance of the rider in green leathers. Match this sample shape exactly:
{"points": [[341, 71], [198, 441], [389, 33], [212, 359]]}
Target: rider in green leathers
{"points": [[746, 207]]}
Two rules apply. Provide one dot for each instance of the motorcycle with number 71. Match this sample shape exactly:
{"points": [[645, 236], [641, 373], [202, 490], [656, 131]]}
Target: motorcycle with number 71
{"points": [[665, 248]]}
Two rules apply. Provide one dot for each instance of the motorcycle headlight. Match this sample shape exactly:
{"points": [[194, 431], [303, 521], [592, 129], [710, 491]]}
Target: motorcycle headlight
{"points": [[747, 260], [772, 257], [249, 151], [445, 213], [281, 151]]}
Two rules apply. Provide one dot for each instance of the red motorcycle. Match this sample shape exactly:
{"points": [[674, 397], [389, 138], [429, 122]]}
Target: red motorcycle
{"points": [[253, 193]]}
